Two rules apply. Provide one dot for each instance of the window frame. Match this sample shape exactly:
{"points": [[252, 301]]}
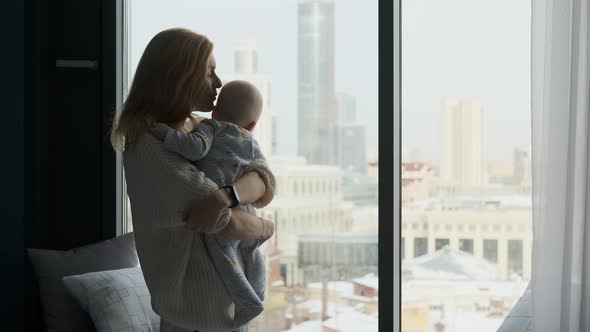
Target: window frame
{"points": [[389, 165], [123, 42]]}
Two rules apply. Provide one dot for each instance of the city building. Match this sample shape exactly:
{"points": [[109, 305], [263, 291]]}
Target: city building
{"points": [[365, 220], [361, 189], [348, 136], [246, 68], [495, 228], [462, 164], [522, 167], [308, 200], [499, 174], [338, 256], [418, 181], [349, 146], [316, 95], [442, 286]]}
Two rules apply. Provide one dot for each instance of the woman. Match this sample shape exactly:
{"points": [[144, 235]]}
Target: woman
{"points": [[176, 76]]}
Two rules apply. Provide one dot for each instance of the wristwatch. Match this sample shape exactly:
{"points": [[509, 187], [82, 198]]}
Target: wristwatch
{"points": [[233, 195]]}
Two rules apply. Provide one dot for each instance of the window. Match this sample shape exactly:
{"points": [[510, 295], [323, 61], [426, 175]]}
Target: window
{"points": [[515, 263], [440, 243], [465, 161], [281, 54], [420, 246], [490, 250], [466, 245]]}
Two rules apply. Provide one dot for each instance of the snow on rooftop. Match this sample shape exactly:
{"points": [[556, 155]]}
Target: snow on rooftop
{"points": [[315, 306], [352, 322], [370, 280], [343, 288], [464, 321], [469, 201], [307, 326], [449, 264], [418, 291]]}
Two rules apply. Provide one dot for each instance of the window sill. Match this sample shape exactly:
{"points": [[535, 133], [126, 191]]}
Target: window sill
{"points": [[520, 317]]}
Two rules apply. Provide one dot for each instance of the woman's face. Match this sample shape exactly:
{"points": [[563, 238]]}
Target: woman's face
{"points": [[212, 83]]}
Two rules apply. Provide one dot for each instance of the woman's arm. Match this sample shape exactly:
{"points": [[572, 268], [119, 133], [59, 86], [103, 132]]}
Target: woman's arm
{"points": [[203, 215], [247, 226]]}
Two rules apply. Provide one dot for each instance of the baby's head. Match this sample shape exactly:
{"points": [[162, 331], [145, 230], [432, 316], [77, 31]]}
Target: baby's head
{"points": [[239, 102]]}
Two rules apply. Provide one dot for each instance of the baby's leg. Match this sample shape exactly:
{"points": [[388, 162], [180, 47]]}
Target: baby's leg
{"points": [[224, 254], [254, 266]]}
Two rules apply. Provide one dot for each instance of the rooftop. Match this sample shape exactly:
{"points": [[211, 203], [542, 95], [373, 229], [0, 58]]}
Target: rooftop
{"points": [[448, 264]]}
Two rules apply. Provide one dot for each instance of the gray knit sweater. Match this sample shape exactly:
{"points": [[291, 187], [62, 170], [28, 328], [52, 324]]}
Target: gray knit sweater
{"points": [[180, 276]]}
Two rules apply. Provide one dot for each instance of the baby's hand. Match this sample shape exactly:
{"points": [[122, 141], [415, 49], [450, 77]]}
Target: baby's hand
{"points": [[159, 130], [195, 120]]}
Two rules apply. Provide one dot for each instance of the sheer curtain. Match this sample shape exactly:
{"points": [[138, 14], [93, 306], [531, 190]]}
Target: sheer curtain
{"points": [[561, 169]]}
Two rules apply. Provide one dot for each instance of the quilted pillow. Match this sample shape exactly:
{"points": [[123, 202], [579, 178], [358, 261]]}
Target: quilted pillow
{"points": [[61, 312], [116, 300]]}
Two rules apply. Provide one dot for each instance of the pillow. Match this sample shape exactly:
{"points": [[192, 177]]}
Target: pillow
{"points": [[60, 310], [116, 300]]}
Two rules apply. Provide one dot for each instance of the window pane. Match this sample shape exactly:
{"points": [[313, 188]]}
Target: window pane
{"points": [[466, 245], [315, 64], [441, 243], [466, 164], [490, 250], [420, 246]]}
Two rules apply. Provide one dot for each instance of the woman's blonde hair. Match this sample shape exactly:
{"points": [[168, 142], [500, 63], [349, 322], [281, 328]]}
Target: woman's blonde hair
{"points": [[169, 79]]}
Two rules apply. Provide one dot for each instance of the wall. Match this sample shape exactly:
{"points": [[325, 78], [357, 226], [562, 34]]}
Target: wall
{"points": [[69, 166]]}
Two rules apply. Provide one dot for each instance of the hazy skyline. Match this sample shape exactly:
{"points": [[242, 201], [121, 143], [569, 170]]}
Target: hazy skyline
{"points": [[466, 48], [273, 24], [452, 48]]}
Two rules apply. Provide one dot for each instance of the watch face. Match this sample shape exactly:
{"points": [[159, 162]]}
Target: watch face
{"points": [[233, 194], [236, 196]]}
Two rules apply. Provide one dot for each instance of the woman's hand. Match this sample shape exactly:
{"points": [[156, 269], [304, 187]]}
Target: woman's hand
{"points": [[247, 226], [160, 130], [203, 214], [268, 230]]}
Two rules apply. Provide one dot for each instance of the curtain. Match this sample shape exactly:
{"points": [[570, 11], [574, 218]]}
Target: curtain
{"points": [[561, 169]]}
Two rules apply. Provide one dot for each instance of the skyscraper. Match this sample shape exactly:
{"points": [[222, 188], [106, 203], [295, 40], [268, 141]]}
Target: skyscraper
{"points": [[316, 97], [246, 68], [349, 145], [462, 164]]}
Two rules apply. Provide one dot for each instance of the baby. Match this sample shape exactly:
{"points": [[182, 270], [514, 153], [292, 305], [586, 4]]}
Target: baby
{"points": [[223, 147]]}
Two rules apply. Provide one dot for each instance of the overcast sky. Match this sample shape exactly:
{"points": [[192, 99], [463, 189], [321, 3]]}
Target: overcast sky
{"points": [[474, 48], [471, 48]]}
